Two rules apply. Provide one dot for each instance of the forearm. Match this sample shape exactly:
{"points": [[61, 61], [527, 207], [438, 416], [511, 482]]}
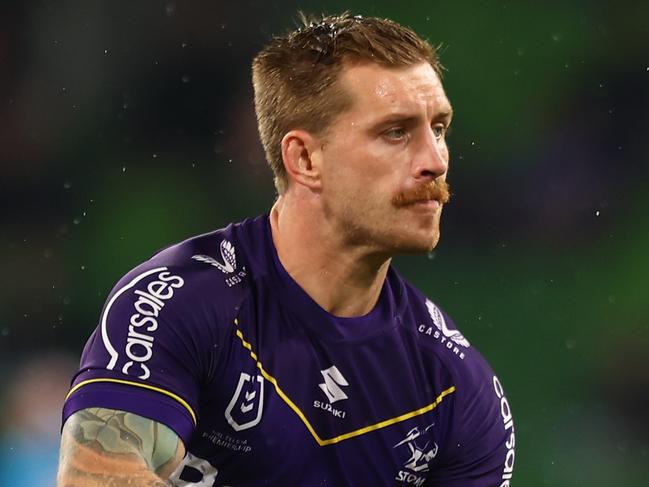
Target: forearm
{"points": [[87, 475], [106, 448]]}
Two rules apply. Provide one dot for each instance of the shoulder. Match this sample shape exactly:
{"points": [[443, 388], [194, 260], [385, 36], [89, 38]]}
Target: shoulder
{"points": [[209, 270], [434, 328], [188, 294], [438, 336]]}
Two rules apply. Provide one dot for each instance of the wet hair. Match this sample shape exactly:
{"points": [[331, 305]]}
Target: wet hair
{"points": [[295, 77]]}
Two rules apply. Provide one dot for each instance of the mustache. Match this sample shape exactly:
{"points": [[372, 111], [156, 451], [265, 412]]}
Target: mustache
{"points": [[433, 190]]}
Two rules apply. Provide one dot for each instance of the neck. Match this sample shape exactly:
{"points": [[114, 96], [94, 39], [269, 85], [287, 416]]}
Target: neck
{"points": [[344, 279]]}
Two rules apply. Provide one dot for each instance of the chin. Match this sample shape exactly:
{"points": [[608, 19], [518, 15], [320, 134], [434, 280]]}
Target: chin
{"points": [[417, 244]]}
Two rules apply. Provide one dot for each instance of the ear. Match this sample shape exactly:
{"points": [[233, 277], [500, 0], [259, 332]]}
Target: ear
{"points": [[301, 155]]}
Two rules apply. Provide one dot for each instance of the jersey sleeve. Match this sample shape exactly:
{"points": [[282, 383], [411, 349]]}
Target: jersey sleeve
{"points": [[151, 351], [479, 451]]}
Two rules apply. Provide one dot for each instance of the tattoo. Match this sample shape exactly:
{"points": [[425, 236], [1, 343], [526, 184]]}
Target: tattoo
{"points": [[106, 447]]}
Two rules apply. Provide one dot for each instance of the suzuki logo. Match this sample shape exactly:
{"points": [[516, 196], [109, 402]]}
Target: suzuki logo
{"points": [[333, 379]]}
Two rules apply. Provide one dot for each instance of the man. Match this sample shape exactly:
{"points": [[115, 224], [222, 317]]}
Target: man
{"points": [[284, 350]]}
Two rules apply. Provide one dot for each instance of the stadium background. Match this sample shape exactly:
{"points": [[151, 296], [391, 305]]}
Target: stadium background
{"points": [[128, 126]]}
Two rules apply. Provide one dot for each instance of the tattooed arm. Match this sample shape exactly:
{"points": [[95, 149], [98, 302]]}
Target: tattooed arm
{"points": [[105, 447]]}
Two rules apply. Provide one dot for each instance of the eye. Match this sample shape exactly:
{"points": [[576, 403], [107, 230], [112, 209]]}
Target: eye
{"points": [[396, 133], [440, 131]]}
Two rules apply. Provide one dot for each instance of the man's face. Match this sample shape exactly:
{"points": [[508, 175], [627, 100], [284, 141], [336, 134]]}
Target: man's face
{"points": [[384, 160]]}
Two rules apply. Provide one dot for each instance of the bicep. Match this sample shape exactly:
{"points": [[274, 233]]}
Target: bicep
{"points": [[110, 447]]}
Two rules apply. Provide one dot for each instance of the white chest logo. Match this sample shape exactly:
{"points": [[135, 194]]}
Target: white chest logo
{"points": [[333, 379], [440, 323], [228, 255]]}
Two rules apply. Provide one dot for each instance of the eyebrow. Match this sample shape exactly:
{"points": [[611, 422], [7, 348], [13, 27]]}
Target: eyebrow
{"points": [[409, 118]]}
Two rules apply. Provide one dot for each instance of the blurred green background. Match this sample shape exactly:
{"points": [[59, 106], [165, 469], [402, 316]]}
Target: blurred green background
{"points": [[125, 127]]}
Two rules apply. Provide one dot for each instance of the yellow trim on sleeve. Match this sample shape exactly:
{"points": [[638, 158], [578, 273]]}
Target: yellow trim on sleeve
{"points": [[137, 384], [345, 436]]}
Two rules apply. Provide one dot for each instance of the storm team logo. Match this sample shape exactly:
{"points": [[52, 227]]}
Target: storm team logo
{"points": [[422, 450]]}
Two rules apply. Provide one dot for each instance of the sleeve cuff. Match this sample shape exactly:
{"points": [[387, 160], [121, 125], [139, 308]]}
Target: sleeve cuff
{"points": [[134, 399]]}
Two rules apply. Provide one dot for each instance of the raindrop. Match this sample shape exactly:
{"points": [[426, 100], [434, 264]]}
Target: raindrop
{"points": [[63, 89], [105, 51], [155, 156], [556, 37], [84, 214], [83, 267], [76, 221], [5, 332], [123, 168], [183, 45], [67, 185], [430, 255], [170, 9], [596, 212], [473, 142], [186, 78], [230, 161]]}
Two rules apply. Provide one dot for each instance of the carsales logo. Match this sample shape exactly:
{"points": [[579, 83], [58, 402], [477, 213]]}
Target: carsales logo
{"points": [[508, 424], [143, 322]]}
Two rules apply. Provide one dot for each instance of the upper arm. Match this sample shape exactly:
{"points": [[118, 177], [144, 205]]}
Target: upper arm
{"points": [[101, 447], [151, 352], [480, 452], [477, 443]]}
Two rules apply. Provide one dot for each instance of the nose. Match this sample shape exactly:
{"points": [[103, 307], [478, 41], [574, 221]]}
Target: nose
{"points": [[431, 159]]}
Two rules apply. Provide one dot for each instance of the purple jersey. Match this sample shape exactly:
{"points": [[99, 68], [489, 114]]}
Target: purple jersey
{"points": [[213, 338]]}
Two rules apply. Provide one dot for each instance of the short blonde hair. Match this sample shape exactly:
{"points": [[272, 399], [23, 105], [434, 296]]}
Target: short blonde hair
{"points": [[295, 76]]}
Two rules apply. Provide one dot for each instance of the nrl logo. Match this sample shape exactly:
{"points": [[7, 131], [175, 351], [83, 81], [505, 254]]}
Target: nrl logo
{"points": [[228, 255], [247, 404], [440, 323]]}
